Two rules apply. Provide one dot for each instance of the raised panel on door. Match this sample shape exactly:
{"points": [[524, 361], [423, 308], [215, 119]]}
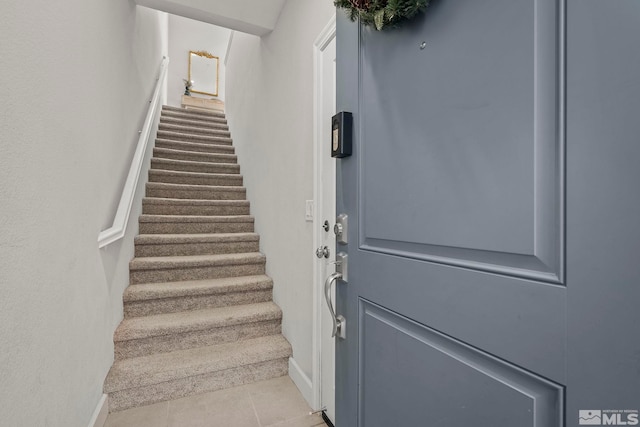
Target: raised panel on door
{"points": [[439, 374], [463, 141]]}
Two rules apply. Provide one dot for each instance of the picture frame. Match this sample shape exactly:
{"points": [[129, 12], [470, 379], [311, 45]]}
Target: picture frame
{"points": [[203, 72]]}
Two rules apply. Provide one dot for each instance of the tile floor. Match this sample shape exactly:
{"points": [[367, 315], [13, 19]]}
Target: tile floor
{"points": [[271, 403]]}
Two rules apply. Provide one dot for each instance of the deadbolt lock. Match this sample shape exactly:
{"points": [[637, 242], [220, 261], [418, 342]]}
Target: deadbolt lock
{"points": [[337, 229], [340, 229]]}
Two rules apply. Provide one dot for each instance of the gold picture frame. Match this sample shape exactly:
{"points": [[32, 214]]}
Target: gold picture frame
{"points": [[203, 72]]}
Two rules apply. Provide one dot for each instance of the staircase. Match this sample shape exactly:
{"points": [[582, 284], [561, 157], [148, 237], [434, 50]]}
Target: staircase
{"points": [[198, 314]]}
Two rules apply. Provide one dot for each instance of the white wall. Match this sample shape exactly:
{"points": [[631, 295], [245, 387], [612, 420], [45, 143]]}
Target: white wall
{"points": [[76, 80], [270, 111], [185, 35]]}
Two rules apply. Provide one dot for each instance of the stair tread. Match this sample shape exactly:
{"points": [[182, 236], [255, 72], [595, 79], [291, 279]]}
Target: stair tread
{"points": [[161, 290], [195, 320], [191, 130], [201, 202], [162, 367], [196, 218], [184, 261], [158, 239], [193, 115], [193, 111], [199, 187], [195, 174], [159, 150], [171, 113], [178, 162], [188, 144], [186, 121], [204, 120], [192, 136]]}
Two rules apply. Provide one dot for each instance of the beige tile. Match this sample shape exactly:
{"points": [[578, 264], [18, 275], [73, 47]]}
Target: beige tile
{"points": [[271, 403], [304, 421], [223, 408], [145, 416], [277, 400]]}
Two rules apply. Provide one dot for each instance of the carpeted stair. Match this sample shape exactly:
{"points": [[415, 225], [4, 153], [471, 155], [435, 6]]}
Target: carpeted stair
{"points": [[198, 314]]}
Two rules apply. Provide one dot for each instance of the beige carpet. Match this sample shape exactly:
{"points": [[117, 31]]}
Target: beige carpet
{"points": [[199, 314]]}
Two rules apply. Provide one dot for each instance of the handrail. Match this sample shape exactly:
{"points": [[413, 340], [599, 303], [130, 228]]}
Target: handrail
{"points": [[121, 219]]}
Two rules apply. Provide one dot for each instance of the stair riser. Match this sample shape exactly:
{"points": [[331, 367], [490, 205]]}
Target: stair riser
{"points": [[184, 341], [190, 146], [183, 387], [196, 167], [194, 130], [195, 227], [194, 157], [213, 248], [195, 273], [198, 302], [217, 140], [159, 209], [235, 181], [194, 123]]}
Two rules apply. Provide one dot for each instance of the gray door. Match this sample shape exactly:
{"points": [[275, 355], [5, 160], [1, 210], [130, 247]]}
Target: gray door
{"points": [[494, 210]]}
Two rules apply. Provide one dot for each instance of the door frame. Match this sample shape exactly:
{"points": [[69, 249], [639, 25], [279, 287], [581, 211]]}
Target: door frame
{"points": [[323, 40]]}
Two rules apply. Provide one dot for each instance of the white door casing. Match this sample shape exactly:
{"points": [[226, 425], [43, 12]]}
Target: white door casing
{"points": [[324, 197]]}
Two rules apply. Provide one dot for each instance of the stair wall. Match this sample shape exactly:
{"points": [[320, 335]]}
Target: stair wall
{"points": [[269, 104], [76, 82]]}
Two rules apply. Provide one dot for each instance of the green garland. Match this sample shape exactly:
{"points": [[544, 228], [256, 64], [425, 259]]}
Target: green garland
{"points": [[382, 13]]}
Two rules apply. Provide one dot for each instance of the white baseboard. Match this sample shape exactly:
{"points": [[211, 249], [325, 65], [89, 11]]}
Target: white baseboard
{"points": [[301, 380], [99, 416]]}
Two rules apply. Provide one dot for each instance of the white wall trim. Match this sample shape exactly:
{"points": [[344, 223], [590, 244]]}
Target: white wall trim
{"points": [[99, 416], [301, 380], [327, 34], [121, 219]]}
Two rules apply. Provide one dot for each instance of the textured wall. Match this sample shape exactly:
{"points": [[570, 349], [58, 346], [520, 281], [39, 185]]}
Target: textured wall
{"points": [[76, 80], [269, 105], [185, 35]]}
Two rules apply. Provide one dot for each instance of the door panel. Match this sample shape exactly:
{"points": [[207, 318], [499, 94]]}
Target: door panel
{"points": [[468, 153], [510, 318], [442, 375]]}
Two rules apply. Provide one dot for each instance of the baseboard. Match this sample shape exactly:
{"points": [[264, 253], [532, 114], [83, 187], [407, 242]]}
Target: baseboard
{"points": [[301, 380], [99, 416]]}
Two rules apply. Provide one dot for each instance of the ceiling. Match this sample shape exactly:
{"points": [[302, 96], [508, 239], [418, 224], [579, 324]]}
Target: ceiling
{"points": [[257, 17]]}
